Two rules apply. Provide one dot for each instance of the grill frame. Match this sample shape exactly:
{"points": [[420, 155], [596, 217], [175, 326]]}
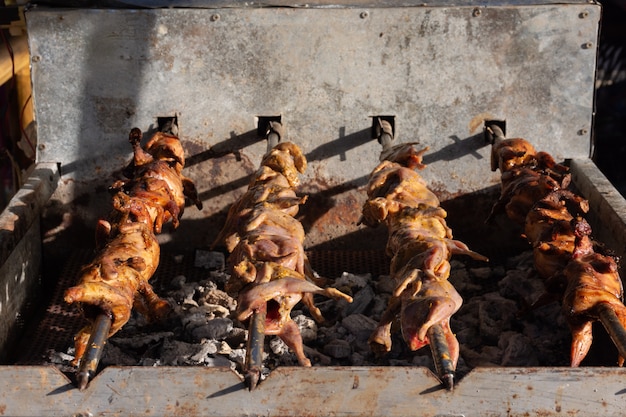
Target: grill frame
{"points": [[63, 183]]}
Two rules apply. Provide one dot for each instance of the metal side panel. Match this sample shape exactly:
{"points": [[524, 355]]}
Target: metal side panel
{"points": [[21, 250], [318, 391], [25, 207], [607, 207]]}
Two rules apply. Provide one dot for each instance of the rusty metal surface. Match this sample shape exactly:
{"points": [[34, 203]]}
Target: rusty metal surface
{"points": [[338, 391], [318, 391], [607, 213], [25, 207], [440, 70]]}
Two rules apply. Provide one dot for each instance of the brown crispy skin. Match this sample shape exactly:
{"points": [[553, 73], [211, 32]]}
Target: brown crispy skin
{"points": [[420, 245], [116, 281], [534, 194], [269, 269]]}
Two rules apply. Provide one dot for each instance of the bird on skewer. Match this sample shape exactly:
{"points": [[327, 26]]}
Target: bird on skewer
{"points": [[577, 271], [270, 272], [127, 250], [420, 245]]}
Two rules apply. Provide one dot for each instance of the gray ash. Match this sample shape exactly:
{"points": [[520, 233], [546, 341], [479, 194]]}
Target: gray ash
{"points": [[495, 326]]}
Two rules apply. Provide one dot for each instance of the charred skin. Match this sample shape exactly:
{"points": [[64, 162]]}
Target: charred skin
{"points": [[154, 176], [269, 269], [527, 176], [585, 282], [420, 245], [554, 227], [592, 282], [116, 281]]}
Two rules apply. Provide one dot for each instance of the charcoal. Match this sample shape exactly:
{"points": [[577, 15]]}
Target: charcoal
{"points": [[178, 282], [209, 260], [317, 357], [496, 314], [495, 326], [278, 347], [384, 285], [175, 352], [517, 350], [114, 355], [361, 300], [307, 326], [358, 323], [338, 349], [207, 347], [481, 273], [139, 341], [216, 329], [353, 281]]}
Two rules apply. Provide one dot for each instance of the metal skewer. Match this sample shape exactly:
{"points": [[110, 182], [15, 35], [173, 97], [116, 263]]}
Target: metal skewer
{"points": [[274, 134], [254, 349], [95, 347], [441, 356], [384, 132], [256, 331], [614, 328], [494, 133], [436, 336]]}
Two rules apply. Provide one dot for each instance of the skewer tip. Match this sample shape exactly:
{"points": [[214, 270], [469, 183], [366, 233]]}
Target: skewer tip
{"points": [[82, 379], [252, 378], [95, 347], [448, 381]]}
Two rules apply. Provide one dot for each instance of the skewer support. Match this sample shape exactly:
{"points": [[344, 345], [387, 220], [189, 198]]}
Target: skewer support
{"points": [[494, 131], [95, 348], [272, 129], [441, 356], [384, 133]]}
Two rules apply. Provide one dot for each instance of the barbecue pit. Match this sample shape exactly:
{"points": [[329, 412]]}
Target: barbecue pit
{"points": [[437, 70]]}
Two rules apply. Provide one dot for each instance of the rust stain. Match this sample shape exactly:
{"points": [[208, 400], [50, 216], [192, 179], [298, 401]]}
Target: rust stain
{"points": [[3, 409], [478, 121], [44, 377]]}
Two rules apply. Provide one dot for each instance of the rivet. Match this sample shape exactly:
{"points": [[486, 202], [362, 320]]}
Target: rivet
{"points": [[587, 45], [215, 17], [364, 14], [36, 58], [582, 132], [583, 14], [476, 12]]}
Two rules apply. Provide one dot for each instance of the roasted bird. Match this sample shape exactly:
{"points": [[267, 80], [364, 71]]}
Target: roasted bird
{"points": [[127, 249], [420, 245], [269, 269], [576, 271], [526, 177]]}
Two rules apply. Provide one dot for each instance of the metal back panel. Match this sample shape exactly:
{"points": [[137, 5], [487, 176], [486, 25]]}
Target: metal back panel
{"points": [[439, 70]]}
